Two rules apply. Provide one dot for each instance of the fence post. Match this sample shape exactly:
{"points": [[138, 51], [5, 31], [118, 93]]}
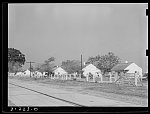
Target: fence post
{"points": [[58, 76], [74, 75], [116, 76], [79, 76], [61, 77], [87, 78], [93, 78], [101, 78], [54, 76], [110, 78], [135, 78], [70, 77]]}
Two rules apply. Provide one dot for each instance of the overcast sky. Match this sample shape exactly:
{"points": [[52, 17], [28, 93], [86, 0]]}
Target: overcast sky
{"points": [[65, 31]]}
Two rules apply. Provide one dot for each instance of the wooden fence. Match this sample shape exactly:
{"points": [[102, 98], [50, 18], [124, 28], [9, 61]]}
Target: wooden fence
{"points": [[109, 78]]}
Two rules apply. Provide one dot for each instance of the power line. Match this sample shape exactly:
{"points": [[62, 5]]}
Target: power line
{"points": [[30, 66]]}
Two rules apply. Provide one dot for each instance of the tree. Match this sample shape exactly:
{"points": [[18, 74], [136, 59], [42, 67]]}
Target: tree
{"points": [[71, 66], [104, 62], [51, 59], [109, 61], [13, 67], [94, 60], [37, 67], [47, 66], [15, 59]]}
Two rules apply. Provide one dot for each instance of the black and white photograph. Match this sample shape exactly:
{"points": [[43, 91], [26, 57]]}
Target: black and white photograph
{"points": [[77, 55]]}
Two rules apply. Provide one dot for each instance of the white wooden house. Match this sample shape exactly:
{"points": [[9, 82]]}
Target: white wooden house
{"points": [[129, 68], [27, 73], [45, 73], [59, 71], [19, 73], [37, 74], [90, 69]]}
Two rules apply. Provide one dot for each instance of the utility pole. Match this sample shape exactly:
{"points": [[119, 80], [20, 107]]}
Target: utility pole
{"points": [[81, 64], [30, 67]]}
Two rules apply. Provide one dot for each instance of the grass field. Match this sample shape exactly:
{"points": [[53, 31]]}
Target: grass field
{"points": [[112, 90]]}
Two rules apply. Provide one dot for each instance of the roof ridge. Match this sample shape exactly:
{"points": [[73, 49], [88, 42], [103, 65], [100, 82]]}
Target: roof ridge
{"points": [[121, 66]]}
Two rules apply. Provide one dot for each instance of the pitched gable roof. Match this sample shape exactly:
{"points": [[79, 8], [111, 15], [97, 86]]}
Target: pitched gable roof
{"points": [[121, 66], [54, 68], [90, 65], [58, 69], [83, 66]]}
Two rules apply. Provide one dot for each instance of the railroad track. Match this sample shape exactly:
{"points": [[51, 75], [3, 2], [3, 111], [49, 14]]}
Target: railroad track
{"points": [[73, 103]]}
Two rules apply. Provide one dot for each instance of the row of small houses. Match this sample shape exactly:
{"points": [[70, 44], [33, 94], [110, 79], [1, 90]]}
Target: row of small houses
{"points": [[56, 71], [129, 69]]}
